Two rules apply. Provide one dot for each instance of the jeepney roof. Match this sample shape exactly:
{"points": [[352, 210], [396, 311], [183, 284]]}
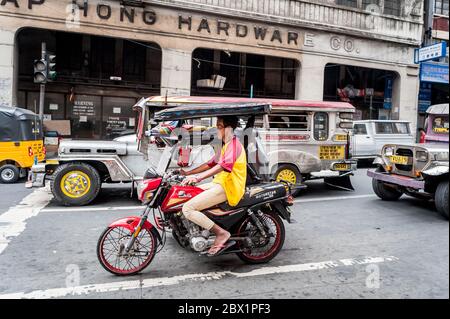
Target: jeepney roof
{"points": [[438, 109], [276, 103], [191, 111]]}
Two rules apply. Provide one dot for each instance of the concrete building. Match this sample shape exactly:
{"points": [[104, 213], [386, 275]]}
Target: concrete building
{"points": [[110, 53]]}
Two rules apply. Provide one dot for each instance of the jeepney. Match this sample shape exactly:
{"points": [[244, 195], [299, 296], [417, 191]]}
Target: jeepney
{"points": [[303, 140], [418, 170]]}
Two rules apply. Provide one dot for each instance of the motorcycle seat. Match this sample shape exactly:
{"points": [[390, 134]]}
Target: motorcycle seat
{"points": [[256, 194]]}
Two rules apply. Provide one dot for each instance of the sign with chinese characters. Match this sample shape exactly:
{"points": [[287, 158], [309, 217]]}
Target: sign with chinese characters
{"points": [[430, 52], [434, 72]]}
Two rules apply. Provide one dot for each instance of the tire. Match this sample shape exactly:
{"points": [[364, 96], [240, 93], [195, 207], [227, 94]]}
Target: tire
{"points": [[292, 173], [87, 185], [103, 258], [441, 198], [9, 174], [247, 257], [384, 192]]}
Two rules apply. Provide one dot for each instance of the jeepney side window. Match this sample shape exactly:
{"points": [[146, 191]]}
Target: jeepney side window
{"points": [[297, 122], [321, 126]]}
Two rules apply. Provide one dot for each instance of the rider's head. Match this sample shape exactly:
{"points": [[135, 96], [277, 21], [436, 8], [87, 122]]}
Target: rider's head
{"points": [[226, 125]]}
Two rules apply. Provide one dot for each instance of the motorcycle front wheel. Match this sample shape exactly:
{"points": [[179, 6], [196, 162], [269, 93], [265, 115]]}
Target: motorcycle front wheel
{"points": [[262, 250], [112, 243]]}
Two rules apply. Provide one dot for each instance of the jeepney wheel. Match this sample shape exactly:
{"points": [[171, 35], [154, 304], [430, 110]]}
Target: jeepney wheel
{"points": [[441, 198], [383, 191], [75, 184], [9, 174], [289, 173]]}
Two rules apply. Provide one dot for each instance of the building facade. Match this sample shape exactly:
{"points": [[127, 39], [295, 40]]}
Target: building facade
{"points": [[110, 53]]}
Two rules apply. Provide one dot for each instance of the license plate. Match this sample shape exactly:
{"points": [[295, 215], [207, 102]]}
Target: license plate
{"points": [[340, 138], [342, 167], [396, 159], [332, 152]]}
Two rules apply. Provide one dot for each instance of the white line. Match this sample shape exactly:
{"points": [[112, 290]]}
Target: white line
{"points": [[325, 199], [98, 209], [89, 209], [15, 218], [170, 281]]}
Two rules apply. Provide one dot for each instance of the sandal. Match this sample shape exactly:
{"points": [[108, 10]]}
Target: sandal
{"points": [[221, 248]]}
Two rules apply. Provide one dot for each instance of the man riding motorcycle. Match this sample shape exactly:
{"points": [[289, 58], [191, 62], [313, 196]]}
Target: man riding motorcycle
{"points": [[229, 166]]}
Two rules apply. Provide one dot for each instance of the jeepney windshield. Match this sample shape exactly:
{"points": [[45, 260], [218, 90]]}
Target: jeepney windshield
{"points": [[440, 125]]}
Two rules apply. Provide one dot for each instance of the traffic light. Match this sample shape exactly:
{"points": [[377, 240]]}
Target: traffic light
{"points": [[40, 71], [51, 69]]}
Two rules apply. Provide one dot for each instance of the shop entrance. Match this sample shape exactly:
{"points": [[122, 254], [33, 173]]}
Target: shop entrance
{"points": [[225, 73], [370, 91], [98, 80]]}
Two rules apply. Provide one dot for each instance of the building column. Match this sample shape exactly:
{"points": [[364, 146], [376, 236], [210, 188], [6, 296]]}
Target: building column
{"points": [[405, 97], [176, 72], [7, 68], [310, 78]]}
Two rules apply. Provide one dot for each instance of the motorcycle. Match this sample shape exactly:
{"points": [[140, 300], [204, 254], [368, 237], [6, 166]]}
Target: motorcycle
{"points": [[128, 245]]}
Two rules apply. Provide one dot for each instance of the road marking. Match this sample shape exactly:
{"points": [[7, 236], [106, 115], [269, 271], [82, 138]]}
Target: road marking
{"points": [[325, 199], [140, 207], [90, 209], [175, 280], [13, 222]]}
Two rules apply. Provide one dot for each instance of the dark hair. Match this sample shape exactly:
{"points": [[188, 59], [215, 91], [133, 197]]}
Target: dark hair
{"points": [[420, 129], [229, 121]]}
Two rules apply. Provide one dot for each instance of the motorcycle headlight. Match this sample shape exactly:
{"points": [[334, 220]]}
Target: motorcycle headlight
{"points": [[389, 151], [422, 156]]}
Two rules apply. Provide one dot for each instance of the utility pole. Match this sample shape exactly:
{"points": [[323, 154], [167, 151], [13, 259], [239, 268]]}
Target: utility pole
{"points": [[42, 85], [429, 14]]}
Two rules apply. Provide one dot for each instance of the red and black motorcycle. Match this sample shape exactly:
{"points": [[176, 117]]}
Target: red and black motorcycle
{"points": [[128, 245]]}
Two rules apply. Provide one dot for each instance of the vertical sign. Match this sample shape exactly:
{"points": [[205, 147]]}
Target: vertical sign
{"points": [[388, 93]]}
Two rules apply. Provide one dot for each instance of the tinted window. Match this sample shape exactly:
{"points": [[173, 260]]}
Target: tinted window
{"points": [[384, 128], [360, 129], [401, 128]]}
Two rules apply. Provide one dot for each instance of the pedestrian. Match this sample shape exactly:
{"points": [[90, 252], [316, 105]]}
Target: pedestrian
{"points": [[422, 135]]}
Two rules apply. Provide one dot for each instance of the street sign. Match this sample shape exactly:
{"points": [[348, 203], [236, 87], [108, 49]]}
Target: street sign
{"points": [[434, 72], [430, 52]]}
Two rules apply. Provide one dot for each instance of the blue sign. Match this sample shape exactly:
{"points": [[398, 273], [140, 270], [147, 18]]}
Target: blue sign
{"points": [[434, 72], [388, 94], [430, 52], [424, 97]]}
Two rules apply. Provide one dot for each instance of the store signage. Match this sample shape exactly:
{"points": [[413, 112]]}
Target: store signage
{"points": [[129, 14], [424, 97], [434, 72], [431, 52]]}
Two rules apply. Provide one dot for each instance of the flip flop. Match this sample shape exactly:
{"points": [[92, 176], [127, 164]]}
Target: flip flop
{"points": [[222, 248]]}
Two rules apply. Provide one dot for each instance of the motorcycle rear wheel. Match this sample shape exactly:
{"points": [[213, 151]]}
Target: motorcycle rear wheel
{"points": [[265, 253], [111, 241]]}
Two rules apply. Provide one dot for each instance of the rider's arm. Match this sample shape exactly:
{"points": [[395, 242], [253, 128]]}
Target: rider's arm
{"points": [[197, 170], [211, 172]]}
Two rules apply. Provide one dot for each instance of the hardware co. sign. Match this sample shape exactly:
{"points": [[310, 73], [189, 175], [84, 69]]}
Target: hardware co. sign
{"points": [[185, 23]]}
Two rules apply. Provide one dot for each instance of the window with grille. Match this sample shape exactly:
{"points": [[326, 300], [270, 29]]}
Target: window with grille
{"points": [[347, 3], [392, 7], [441, 7], [297, 122]]}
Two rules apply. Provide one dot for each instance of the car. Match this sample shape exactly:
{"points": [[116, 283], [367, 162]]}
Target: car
{"points": [[370, 136], [418, 170]]}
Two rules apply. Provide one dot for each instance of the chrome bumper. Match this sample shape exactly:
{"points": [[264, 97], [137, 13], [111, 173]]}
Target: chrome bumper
{"points": [[397, 179], [36, 176]]}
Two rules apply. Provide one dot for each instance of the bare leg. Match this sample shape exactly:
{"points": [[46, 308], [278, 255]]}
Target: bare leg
{"points": [[222, 237]]}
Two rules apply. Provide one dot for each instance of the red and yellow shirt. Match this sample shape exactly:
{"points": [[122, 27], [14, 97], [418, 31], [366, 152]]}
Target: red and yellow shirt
{"points": [[233, 160]]}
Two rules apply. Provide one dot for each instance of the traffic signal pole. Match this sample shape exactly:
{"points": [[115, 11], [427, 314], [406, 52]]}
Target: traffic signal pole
{"points": [[42, 85]]}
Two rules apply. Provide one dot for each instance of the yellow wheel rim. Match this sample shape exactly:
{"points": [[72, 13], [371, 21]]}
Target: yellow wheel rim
{"points": [[287, 175], [75, 184]]}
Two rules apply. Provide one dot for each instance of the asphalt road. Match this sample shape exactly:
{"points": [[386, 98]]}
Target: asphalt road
{"points": [[344, 245]]}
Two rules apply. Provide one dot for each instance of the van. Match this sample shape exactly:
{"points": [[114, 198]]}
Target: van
{"points": [[370, 136]]}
